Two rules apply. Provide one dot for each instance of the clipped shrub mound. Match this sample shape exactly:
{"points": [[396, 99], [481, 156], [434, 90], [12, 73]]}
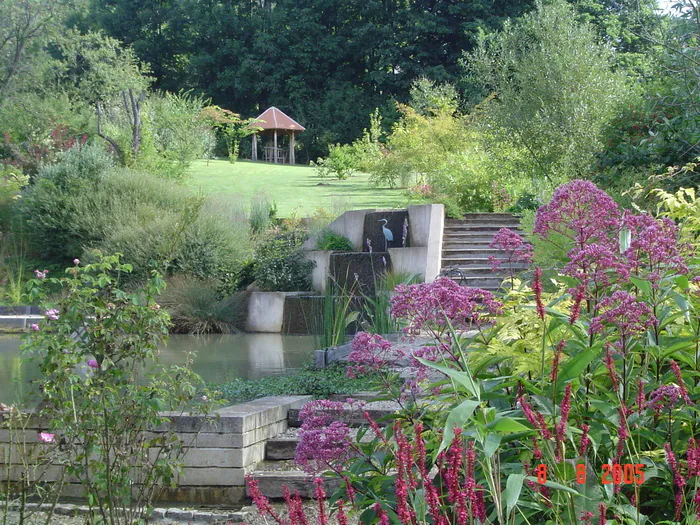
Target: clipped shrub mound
{"points": [[329, 240]]}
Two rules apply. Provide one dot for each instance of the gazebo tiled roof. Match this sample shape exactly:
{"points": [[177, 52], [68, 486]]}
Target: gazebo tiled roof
{"points": [[273, 118]]}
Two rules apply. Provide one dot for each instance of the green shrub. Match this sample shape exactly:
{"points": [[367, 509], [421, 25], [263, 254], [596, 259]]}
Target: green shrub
{"points": [[12, 180], [217, 244], [195, 307], [91, 397], [79, 168], [340, 163], [79, 204], [526, 201], [280, 264], [329, 240]]}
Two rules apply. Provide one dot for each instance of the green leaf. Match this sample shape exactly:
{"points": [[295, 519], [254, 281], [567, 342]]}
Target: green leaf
{"points": [[644, 286], [456, 418], [463, 378], [491, 444], [556, 486], [682, 282], [351, 318], [512, 492], [507, 425], [577, 364]]}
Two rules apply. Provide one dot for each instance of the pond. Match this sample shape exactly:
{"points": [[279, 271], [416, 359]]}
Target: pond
{"points": [[218, 358]]}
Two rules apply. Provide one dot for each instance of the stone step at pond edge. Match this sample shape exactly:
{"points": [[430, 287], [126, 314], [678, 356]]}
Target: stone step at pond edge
{"points": [[271, 483], [157, 514]]}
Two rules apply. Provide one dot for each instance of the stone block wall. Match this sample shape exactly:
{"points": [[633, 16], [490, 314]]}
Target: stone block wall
{"points": [[220, 450]]}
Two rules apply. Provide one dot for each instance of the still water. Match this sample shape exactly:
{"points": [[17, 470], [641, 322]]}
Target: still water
{"points": [[218, 358]]}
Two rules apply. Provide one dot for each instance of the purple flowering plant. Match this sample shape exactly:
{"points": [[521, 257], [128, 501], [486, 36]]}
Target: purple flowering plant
{"points": [[602, 369]]}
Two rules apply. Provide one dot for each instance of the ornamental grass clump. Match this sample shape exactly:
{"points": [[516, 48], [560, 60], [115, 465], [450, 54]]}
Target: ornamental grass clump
{"points": [[574, 405]]}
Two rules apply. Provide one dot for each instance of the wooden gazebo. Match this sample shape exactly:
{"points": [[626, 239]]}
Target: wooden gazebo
{"points": [[271, 123]]}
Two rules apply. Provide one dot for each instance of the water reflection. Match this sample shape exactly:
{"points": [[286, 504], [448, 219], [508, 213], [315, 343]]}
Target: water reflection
{"points": [[217, 358]]}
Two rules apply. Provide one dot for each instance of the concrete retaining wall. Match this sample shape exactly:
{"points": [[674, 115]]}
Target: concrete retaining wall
{"points": [[220, 450], [426, 223], [265, 312]]}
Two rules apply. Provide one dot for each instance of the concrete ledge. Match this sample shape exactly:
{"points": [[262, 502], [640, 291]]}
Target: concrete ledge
{"points": [[183, 493], [18, 322], [216, 460], [281, 448], [319, 275], [410, 260], [192, 516]]}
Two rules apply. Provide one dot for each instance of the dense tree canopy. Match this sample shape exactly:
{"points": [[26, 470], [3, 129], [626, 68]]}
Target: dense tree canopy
{"points": [[329, 63]]}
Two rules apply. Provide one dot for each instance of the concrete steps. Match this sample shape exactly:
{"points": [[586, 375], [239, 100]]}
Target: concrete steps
{"points": [[281, 448], [279, 468], [466, 250]]}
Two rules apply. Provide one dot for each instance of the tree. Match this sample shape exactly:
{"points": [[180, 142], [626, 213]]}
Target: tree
{"points": [[93, 67], [554, 89], [25, 26]]}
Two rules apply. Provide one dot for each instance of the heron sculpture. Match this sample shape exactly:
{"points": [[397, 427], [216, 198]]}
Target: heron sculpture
{"points": [[388, 236]]}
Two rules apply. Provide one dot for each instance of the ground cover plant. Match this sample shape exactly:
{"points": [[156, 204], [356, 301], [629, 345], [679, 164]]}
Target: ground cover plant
{"points": [[572, 406], [308, 380]]}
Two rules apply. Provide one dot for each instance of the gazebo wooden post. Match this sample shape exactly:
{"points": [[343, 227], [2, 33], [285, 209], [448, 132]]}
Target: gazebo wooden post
{"points": [[274, 148], [255, 147], [291, 148]]}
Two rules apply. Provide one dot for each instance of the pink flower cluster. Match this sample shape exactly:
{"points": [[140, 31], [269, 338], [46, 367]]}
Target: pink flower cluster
{"points": [[370, 352], [588, 217], [422, 190], [432, 305], [665, 398], [323, 440], [463, 493], [535, 418], [624, 312], [653, 245], [515, 247], [580, 212], [46, 437], [596, 266], [678, 479]]}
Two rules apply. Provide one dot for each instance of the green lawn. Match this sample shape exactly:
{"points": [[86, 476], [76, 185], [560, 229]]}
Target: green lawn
{"points": [[295, 189]]}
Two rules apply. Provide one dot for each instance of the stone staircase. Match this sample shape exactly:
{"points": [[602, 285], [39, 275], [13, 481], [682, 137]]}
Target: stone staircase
{"points": [[279, 468], [466, 251]]}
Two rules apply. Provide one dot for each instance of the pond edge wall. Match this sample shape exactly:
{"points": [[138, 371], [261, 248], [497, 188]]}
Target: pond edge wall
{"points": [[221, 450]]}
